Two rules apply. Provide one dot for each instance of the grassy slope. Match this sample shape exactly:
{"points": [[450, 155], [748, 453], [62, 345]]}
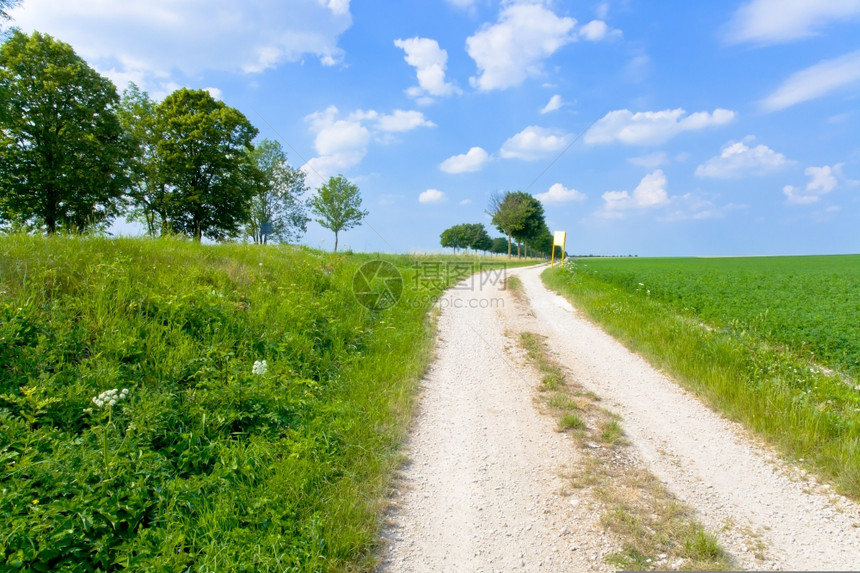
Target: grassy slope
{"points": [[206, 464], [737, 363]]}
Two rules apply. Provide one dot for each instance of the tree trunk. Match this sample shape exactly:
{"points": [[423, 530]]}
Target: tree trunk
{"points": [[335, 241], [509, 245]]}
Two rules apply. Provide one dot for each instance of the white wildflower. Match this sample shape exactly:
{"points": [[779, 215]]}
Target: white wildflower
{"points": [[110, 397], [260, 367]]}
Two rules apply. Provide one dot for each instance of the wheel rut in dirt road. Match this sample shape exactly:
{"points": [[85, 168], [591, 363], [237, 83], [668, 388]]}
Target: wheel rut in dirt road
{"points": [[483, 489]]}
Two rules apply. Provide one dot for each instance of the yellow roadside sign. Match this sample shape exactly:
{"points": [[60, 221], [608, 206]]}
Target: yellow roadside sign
{"points": [[559, 240]]}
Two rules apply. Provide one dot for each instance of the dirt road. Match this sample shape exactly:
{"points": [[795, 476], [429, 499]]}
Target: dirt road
{"points": [[484, 488]]}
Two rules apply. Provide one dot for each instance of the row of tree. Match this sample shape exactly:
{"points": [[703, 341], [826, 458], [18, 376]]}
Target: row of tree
{"points": [[74, 156], [516, 214], [467, 236]]}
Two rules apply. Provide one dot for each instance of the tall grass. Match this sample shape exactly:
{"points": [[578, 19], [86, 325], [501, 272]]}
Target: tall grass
{"points": [[808, 413], [211, 462]]}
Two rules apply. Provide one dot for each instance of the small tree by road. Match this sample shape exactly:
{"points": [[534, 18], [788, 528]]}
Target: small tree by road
{"points": [[338, 205]]}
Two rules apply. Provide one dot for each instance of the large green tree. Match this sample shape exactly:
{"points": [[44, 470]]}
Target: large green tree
{"points": [[61, 144], [532, 224], [202, 148], [279, 200], [147, 189], [338, 205], [454, 237], [512, 213]]}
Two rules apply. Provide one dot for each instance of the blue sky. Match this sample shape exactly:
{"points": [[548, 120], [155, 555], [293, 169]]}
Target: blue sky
{"points": [[649, 128]]}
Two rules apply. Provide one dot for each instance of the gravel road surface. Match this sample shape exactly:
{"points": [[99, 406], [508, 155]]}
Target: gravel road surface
{"points": [[484, 487]]}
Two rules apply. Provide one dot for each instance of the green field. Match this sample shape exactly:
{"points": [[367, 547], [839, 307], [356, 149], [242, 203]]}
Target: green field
{"points": [[773, 341], [210, 460], [810, 305]]}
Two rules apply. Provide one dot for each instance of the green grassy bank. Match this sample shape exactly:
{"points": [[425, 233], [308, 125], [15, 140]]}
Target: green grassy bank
{"points": [[211, 460], [771, 342]]}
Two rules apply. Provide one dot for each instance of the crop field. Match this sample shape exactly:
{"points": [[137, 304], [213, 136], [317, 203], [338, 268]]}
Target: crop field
{"points": [[171, 406], [810, 305], [772, 341]]}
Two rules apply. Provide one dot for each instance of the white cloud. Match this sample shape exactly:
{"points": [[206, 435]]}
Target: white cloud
{"points": [[336, 135], [737, 159], [214, 92], [558, 193], [431, 196], [822, 180], [553, 104], [796, 197], [466, 202], [339, 7], [472, 160], [403, 121], [594, 30], [651, 161], [534, 143], [651, 192], [513, 49], [815, 82], [430, 62], [776, 21], [597, 30], [150, 41], [652, 127], [342, 142]]}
